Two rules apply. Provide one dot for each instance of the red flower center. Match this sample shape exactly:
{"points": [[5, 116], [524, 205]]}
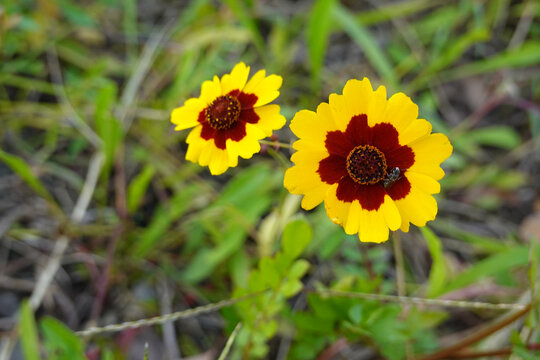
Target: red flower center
{"points": [[366, 165], [223, 113]]}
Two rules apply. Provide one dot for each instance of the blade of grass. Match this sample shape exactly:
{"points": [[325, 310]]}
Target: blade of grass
{"points": [[317, 33], [493, 265], [437, 274], [247, 20], [526, 55], [23, 170], [28, 329], [456, 50], [365, 40], [137, 187], [395, 10]]}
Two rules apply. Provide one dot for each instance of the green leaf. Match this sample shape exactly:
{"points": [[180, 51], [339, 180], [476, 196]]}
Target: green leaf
{"points": [[248, 21], [162, 219], [76, 14], [108, 127], [367, 43], [29, 336], [317, 33], [145, 356], [60, 341], [437, 274], [503, 137], [298, 269], [206, 260], [21, 168], [459, 46], [493, 265], [296, 236], [386, 12], [528, 54], [356, 313], [137, 188], [290, 288], [268, 271]]}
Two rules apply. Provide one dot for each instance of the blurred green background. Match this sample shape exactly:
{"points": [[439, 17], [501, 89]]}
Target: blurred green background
{"points": [[91, 169]]}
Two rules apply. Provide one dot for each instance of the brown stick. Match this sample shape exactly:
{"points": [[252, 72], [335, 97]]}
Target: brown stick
{"points": [[483, 333], [499, 352]]}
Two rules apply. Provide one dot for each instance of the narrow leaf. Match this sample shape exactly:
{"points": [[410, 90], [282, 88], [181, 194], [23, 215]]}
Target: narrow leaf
{"points": [[21, 168], [369, 45], [29, 336], [317, 33], [437, 274], [296, 236], [137, 188]]}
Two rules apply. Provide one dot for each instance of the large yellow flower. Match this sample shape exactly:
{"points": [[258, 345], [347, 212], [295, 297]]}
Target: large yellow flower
{"points": [[372, 162], [229, 118]]}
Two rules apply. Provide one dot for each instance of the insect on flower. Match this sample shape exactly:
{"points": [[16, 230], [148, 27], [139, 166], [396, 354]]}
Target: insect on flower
{"points": [[372, 162], [391, 177]]}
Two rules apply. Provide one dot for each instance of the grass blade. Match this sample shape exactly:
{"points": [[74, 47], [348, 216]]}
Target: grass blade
{"points": [[28, 329], [21, 168], [317, 33], [363, 38], [437, 274]]}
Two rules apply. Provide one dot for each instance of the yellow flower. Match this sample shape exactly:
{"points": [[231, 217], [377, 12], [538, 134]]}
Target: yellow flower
{"points": [[372, 162], [229, 118]]}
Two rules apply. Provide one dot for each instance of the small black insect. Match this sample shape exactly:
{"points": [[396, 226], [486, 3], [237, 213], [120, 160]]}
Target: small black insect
{"points": [[391, 177]]}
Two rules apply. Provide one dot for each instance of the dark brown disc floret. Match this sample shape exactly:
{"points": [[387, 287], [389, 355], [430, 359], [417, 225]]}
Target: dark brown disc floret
{"points": [[223, 112], [366, 165]]}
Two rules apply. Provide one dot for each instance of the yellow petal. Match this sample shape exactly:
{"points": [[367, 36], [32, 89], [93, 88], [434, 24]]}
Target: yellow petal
{"points": [[194, 135], [187, 116], [303, 180], [353, 218], [236, 80], [418, 206], [424, 182], [416, 129], [429, 152], [373, 227], [340, 112], [219, 162], [377, 106], [405, 222], [390, 213], [194, 150], [314, 196], [252, 84], [400, 111], [337, 210], [206, 153], [210, 90], [326, 118], [269, 118], [310, 127], [357, 96], [266, 90], [248, 145]]}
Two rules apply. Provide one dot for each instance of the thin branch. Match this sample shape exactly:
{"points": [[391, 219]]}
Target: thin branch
{"points": [[230, 341], [276, 143], [400, 264], [479, 335], [158, 320], [421, 301], [76, 119]]}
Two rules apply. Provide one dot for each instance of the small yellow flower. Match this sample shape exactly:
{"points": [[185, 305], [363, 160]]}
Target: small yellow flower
{"points": [[229, 118], [372, 162]]}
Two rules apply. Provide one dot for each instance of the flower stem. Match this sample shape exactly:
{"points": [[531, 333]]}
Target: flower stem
{"points": [[400, 264], [276, 143]]}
